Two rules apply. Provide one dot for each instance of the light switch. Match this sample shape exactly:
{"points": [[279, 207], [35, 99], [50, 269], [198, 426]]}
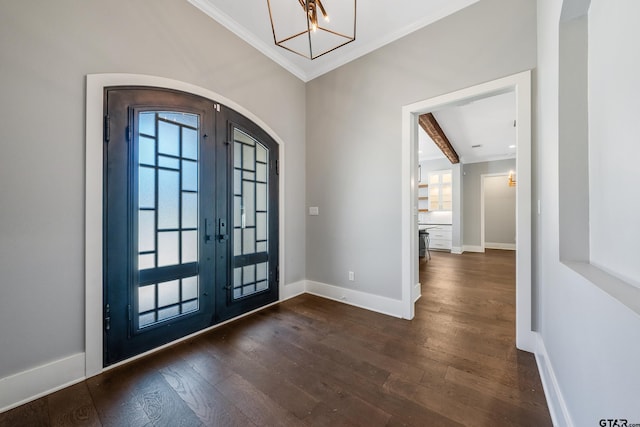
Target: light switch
{"points": [[313, 210]]}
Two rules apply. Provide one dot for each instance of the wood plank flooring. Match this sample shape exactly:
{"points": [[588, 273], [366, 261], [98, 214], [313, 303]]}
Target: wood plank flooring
{"points": [[315, 362]]}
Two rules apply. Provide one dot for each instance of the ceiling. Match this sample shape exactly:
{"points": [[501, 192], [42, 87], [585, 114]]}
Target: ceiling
{"points": [[488, 122], [378, 22]]}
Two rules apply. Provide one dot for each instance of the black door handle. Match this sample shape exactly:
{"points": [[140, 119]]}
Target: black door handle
{"points": [[222, 230], [207, 230]]}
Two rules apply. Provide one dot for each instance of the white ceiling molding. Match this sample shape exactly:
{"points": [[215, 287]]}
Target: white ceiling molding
{"points": [[306, 69], [246, 35], [384, 39]]}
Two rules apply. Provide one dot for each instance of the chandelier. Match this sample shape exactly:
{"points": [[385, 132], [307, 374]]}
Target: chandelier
{"points": [[305, 27]]}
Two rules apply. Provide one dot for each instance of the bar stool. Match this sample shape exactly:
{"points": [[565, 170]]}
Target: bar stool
{"points": [[423, 236]]}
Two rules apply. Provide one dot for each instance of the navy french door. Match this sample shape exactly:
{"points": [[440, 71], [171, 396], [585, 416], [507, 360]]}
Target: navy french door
{"points": [[191, 217]]}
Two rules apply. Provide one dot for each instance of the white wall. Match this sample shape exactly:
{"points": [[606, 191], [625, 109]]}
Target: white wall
{"points": [[614, 106], [46, 50], [357, 127], [592, 339], [471, 184], [432, 166]]}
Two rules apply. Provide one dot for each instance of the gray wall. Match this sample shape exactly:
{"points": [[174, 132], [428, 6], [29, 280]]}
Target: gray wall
{"points": [[573, 156], [471, 182], [46, 49], [357, 128], [499, 210]]}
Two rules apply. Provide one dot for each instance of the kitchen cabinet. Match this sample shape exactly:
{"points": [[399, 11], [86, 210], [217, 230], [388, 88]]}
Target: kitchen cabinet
{"points": [[440, 194], [440, 237]]}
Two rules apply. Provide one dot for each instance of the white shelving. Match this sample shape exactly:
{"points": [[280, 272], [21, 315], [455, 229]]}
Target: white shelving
{"points": [[423, 197]]}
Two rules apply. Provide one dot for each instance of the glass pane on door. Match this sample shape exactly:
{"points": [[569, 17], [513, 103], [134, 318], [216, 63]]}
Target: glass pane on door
{"points": [[434, 197], [250, 216], [167, 221]]}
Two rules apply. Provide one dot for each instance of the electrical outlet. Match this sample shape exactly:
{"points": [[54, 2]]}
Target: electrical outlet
{"points": [[352, 276]]}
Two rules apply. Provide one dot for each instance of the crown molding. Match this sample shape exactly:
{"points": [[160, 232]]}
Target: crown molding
{"points": [[354, 52], [347, 53], [230, 24]]}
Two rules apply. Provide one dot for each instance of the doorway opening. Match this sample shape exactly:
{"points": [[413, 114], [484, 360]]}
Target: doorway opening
{"points": [[521, 85]]}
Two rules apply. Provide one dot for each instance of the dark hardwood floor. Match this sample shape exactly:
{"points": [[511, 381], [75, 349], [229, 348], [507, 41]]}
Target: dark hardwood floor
{"points": [[311, 361]]}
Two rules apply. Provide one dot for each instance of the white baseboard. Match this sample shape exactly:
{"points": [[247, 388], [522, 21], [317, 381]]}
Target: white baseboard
{"points": [[23, 387], [34, 383], [471, 248], [30, 385], [292, 290], [417, 291], [377, 303], [456, 250], [503, 246], [555, 401]]}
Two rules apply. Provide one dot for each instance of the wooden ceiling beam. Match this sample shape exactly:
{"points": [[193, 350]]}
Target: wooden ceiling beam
{"points": [[430, 125]]}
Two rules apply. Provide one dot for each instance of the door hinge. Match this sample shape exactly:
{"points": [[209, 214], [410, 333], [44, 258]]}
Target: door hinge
{"points": [[216, 107], [129, 134], [278, 274], [277, 167], [107, 317], [129, 313], [107, 128]]}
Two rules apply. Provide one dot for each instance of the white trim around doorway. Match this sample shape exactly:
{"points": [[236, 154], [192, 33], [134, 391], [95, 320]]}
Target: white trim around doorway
{"points": [[521, 84], [96, 84]]}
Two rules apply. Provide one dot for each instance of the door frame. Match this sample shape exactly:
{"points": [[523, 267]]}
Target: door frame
{"points": [[94, 244], [520, 83]]}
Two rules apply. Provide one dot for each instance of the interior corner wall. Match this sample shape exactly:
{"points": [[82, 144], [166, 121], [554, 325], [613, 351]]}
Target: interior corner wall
{"points": [[354, 132], [472, 204], [46, 50], [573, 158], [590, 338]]}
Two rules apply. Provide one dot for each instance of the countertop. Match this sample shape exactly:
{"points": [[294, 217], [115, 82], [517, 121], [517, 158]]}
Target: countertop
{"points": [[429, 225]]}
